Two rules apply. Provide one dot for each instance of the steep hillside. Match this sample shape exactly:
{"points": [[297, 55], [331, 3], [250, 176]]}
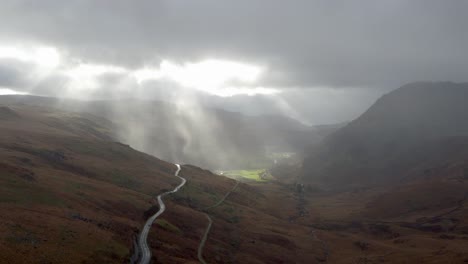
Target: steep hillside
{"points": [[393, 183], [412, 127], [70, 193]]}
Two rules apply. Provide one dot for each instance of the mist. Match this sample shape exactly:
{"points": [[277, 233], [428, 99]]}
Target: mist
{"points": [[198, 113], [223, 83]]}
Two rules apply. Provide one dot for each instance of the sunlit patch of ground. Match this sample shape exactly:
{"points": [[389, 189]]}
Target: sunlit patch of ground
{"points": [[260, 175]]}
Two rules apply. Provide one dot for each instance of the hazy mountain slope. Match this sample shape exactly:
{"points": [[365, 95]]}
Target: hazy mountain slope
{"points": [[190, 133], [415, 124]]}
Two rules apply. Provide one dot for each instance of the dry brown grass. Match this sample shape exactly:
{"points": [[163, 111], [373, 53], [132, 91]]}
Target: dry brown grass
{"points": [[69, 194]]}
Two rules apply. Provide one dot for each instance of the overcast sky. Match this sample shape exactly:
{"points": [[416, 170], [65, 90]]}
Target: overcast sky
{"points": [[320, 57]]}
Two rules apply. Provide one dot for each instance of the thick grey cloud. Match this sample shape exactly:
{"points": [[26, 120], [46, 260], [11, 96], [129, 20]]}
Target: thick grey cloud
{"points": [[14, 73], [331, 58], [303, 43]]}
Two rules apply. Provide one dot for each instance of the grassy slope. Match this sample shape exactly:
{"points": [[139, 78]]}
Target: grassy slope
{"points": [[252, 175]]}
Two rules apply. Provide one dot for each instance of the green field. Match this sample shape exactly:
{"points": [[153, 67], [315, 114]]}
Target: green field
{"points": [[252, 175]]}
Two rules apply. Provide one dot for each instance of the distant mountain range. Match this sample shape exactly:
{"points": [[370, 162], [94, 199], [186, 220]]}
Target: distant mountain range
{"points": [[416, 127]]}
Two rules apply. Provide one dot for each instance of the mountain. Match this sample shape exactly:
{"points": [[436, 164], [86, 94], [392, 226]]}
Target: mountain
{"points": [[393, 183], [69, 192], [190, 133], [418, 126]]}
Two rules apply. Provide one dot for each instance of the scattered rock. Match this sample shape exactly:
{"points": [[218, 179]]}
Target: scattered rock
{"points": [[447, 236], [434, 225], [27, 175], [24, 160], [400, 241], [362, 245], [53, 156], [23, 173], [383, 230]]}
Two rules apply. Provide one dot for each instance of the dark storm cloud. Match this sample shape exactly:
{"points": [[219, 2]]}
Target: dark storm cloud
{"points": [[303, 43]]}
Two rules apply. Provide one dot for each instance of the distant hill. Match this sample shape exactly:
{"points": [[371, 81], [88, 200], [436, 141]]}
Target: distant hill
{"points": [[414, 127], [187, 132]]}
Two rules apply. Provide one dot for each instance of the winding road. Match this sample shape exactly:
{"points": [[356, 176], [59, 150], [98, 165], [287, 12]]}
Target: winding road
{"points": [[203, 241], [210, 222], [143, 237]]}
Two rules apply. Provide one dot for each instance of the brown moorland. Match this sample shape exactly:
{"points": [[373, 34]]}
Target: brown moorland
{"points": [[69, 193]]}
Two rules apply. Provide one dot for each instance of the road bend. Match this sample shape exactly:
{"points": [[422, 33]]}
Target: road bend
{"points": [[143, 237]]}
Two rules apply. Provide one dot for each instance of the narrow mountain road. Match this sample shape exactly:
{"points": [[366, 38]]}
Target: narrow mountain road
{"points": [[143, 237], [325, 247], [210, 223], [204, 238]]}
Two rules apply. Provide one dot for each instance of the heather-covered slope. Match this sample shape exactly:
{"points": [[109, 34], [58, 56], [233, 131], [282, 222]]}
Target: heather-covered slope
{"points": [[70, 193]]}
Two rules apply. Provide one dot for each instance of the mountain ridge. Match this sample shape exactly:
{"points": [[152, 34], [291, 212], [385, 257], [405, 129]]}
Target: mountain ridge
{"points": [[398, 124]]}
